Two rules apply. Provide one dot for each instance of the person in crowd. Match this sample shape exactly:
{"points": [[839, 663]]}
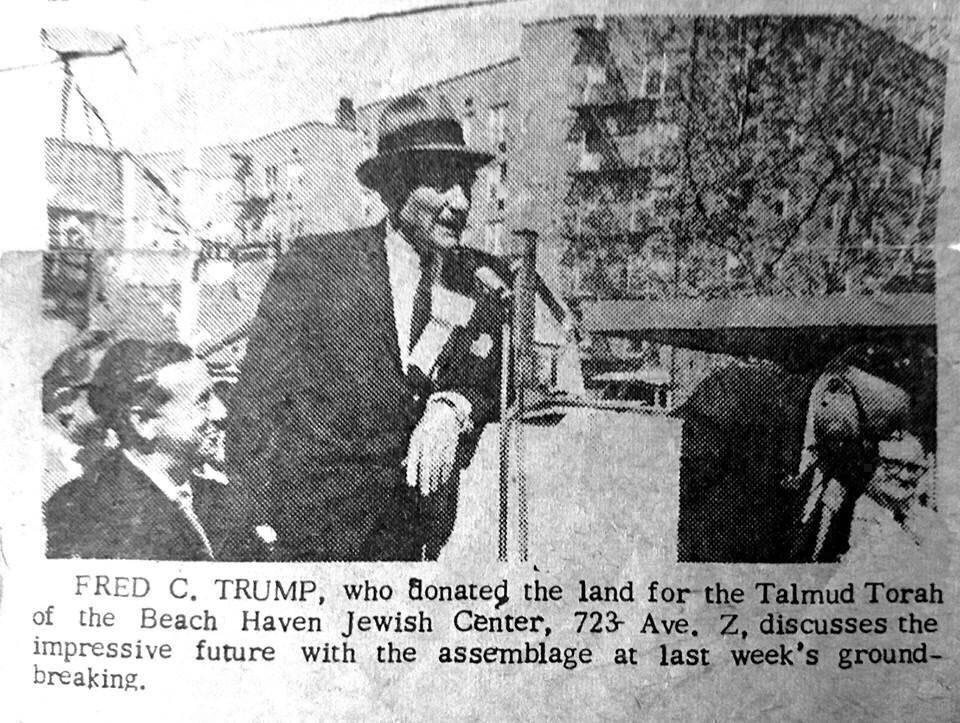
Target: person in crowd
{"points": [[373, 361], [773, 464], [742, 436], [136, 501], [869, 440], [895, 521], [73, 436]]}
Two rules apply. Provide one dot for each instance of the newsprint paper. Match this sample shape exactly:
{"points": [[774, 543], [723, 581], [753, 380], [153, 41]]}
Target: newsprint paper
{"points": [[484, 360]]}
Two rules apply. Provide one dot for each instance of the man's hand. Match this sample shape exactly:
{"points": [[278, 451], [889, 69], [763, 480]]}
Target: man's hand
{"points": [[433, 448]]}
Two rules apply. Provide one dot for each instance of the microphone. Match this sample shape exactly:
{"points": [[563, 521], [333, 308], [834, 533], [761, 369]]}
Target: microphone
{"points": [[492, 283]]}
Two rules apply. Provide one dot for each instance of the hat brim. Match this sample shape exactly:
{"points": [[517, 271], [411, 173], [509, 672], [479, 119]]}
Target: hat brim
{"points": [[374, 172]]}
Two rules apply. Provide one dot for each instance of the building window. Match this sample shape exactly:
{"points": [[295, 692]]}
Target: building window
{"points": [[886, 106], [878, 233], [840, 145], [498, 187], [467, 125], [493, 237], [496, 126], [467, 122], [915, 179], [794, 138], [295, 171], [925, 124], [662, 203], [781, 205], [664, 71], [69, 230], [832, 220], [654, 80], [884, 171], [270, 178]]}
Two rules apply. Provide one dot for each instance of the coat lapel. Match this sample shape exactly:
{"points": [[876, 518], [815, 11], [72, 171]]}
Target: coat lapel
{"points": [[189, 528], [376, 282]]}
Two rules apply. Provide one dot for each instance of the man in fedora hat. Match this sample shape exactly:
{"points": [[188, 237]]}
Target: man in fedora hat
{"points": [[373, 362]]}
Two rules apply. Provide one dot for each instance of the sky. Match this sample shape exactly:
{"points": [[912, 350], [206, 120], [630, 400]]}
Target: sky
{"points": [[194, 71], [232, 83], [202, 55]]}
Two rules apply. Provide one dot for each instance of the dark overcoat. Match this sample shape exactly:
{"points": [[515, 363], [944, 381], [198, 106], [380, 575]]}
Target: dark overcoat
{"points": [[114, 511], [322, 414]]}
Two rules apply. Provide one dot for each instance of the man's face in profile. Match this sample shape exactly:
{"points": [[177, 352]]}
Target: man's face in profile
{"points": [[184, 425], [434, 213]]}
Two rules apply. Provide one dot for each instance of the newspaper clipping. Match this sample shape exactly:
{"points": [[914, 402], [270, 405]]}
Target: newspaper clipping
{"points": [[495, 360]]}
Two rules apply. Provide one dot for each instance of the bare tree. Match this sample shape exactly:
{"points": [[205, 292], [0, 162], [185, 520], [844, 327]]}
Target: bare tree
{"points": [[806, 158]]}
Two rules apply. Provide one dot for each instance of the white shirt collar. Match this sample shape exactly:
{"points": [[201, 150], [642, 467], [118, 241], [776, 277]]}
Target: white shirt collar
{"points": [[400, 248], [162, 482], [181, 495], [403, 264]]}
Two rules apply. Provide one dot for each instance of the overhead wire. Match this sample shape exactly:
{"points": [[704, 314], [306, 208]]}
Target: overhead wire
{"points": [[346, 20]]}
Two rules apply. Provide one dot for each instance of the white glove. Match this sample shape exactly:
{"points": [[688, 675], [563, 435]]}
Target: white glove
{"points": [[433, 447]]}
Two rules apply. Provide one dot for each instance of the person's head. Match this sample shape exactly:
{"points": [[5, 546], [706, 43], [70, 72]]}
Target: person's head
{"points": [[430, 202], [66, 384], [159, 398], [423, 171], [866, 401], [901, 474]]}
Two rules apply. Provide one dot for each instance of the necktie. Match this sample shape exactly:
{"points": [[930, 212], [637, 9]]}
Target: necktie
{"points": [[422, 301], [184, 501]]}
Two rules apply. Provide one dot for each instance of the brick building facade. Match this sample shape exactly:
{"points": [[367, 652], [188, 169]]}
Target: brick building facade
{"points": [[712, 156], [265, 191]]}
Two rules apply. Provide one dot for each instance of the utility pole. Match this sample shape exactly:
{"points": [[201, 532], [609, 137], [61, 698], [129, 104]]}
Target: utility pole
{"points": [[517, 366], [190, 198]]}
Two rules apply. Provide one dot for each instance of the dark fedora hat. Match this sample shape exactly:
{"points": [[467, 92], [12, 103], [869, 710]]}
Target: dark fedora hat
{"points": [[412, 126]]}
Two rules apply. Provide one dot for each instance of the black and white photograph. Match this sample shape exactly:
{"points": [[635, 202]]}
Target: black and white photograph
{"points": [[290, 346], [646, 312]]}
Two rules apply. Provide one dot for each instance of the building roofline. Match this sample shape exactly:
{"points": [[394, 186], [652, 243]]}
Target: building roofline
{"points": [[837, 19], [561, 19], [427, 86], [253, 139], [881, 32], [114, 151]]}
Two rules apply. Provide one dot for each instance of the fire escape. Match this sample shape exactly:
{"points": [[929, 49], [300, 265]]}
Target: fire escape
{"points": [[621, 174]]}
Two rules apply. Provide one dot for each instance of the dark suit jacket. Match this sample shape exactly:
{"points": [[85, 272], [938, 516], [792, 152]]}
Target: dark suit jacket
{"points": [[742, 438], [115, 512], [322, 413]]}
